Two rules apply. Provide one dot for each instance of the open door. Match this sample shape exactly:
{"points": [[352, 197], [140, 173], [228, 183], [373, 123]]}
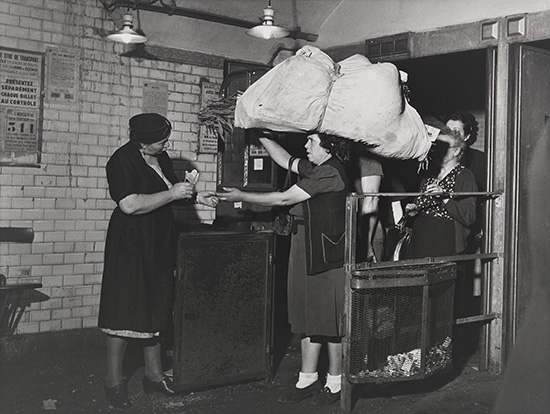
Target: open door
{"points": [[530, 120]]}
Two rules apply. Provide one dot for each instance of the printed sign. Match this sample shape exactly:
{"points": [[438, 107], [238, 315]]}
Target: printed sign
{"points": [[62, 77], [21, 86]]}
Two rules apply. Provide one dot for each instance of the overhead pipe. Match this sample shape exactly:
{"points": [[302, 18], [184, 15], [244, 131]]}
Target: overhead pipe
{"points": [[172, 9]]}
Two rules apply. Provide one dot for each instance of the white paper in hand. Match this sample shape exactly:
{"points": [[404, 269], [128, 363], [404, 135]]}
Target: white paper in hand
{"points": [[192, 177]]}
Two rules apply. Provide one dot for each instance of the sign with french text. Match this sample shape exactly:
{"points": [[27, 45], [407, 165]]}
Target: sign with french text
{"points": [[21, 90]]}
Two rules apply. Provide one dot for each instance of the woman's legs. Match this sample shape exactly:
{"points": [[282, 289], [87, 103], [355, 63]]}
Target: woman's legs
{"points": [[153, 361], [116, 347], [334, 358], [310, 355]]}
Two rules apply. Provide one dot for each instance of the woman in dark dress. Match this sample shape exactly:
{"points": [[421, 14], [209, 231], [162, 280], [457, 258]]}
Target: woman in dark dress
{"points": [[316, 274], [442, 222], [138, 278]]}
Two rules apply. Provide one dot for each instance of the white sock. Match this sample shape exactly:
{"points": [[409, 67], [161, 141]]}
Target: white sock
{"points": [[334, 382], [306, 379]]}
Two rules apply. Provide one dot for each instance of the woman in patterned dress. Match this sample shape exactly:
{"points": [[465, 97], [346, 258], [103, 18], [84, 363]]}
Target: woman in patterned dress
{"points": [[441, 225]]}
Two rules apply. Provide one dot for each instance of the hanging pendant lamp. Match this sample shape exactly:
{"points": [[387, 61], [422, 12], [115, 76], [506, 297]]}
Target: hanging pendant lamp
{"points": [[127, 34], [267, 30]]}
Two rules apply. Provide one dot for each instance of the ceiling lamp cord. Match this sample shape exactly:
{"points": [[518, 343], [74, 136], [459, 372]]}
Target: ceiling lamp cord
{"points": [[267, 30]]}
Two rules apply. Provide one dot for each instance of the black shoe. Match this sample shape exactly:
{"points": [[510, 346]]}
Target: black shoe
{"points": [[325, 397], [166, 386], [295, 395], [118, 395]]}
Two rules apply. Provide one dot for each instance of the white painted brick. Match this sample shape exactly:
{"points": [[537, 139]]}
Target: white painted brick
{"points": [[76, 236], [54, 303], [44, 203], [59, 313], [32, 214], [72, 302], [63, 269], [37, 248], [31, 259], [53, 258], [94, 257], [56, 192], [54, 236], [43, 225], [43, 271], [89, 322], [94, 280], [49, 326], [84, 311], [84, 291], [73, 258], [28, 328], [19, 271], [54, 214], [50, 281], [85, 225], [75, 215], [19, 248], [65, 247], [42, 315], [72, 280], [90, 300]]}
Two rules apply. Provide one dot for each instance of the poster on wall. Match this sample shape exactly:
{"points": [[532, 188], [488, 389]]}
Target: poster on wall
{"points": [[208, 138], [21, 90], [155, 98], [62, 76]]}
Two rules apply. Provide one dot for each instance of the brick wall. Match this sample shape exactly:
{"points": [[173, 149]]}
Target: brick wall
{"points": [[65, 200]]}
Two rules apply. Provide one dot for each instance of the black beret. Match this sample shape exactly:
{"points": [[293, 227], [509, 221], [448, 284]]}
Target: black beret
{"points": [[149, 128]]}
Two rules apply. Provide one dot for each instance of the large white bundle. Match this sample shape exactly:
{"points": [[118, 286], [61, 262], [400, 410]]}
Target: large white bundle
{"points": [[354, 99], [366, 104], [291, 97]]}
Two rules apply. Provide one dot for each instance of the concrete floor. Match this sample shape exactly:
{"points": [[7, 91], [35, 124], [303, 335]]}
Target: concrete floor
{"points": [[72, 382]]}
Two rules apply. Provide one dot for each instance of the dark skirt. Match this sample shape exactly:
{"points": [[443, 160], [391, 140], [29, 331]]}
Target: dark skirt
{"points": [[315, 302], [431, 237]]}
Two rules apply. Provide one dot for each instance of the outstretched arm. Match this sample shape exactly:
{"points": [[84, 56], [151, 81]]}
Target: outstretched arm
{"points": [[289, 197]]}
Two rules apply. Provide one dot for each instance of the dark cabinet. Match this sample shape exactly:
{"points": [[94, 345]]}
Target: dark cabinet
{"points": [[224, 308]]}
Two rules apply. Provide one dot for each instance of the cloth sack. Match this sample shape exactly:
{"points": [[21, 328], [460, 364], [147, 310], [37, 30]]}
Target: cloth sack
{"points": [[291, 97], [366, 104], [353, 99]]}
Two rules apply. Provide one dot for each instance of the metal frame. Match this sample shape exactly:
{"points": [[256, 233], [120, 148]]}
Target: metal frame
{"points": [[351, 268]]}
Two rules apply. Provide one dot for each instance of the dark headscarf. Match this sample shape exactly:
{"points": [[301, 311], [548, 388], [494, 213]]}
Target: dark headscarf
{"points": [[149, 128]]}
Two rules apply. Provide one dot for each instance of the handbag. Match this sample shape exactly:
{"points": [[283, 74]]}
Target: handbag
{"points": [[283, 221], [398, 238]]}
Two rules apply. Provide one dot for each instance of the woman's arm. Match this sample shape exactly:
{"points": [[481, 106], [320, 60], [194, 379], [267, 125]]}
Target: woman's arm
{"points": [[145, 203], [293, 195], [278, 153]]}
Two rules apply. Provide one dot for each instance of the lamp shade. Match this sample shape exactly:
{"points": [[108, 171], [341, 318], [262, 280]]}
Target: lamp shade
{"points": [[127, 34], [267, 30]]}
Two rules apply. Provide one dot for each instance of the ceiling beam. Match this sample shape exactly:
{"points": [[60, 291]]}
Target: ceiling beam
{"points": [[173, 9]]}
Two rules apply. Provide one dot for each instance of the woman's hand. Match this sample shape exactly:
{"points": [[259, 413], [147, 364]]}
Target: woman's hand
{"points": [[208, 198], [434, 188], [182, 190], [230, 194], [411, 209]]}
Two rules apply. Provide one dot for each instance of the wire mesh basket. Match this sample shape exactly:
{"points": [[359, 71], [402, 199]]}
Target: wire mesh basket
{"points": [[401, 322]]}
